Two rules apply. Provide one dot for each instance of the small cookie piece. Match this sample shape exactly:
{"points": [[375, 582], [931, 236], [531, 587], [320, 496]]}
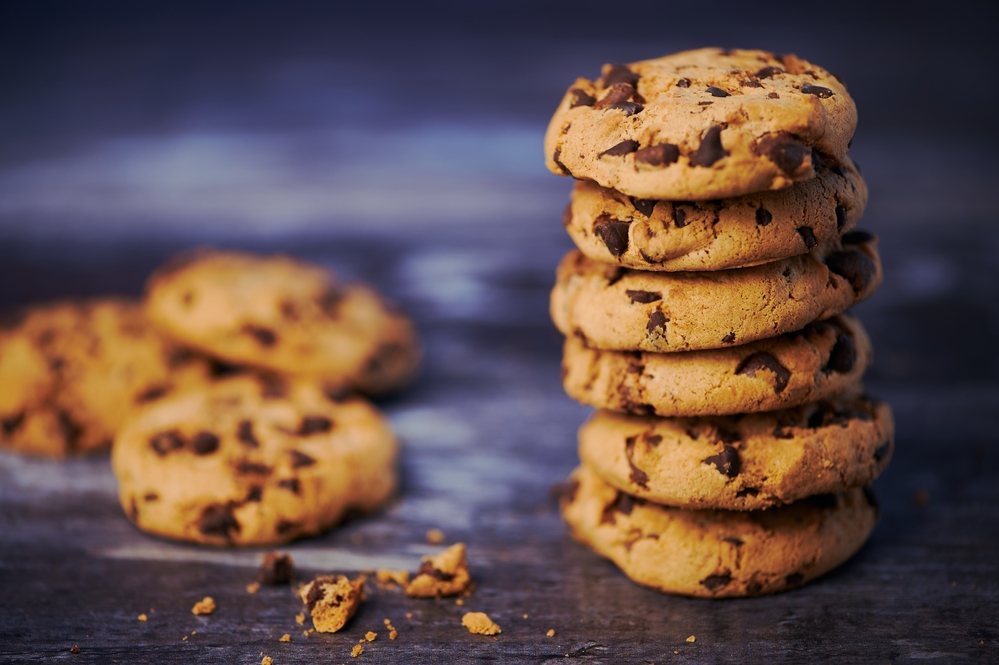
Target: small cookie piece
{"points": [[718, 553], [672, 236], [71, 372], [247, 461], [332, 601], [742, 462], [204, 606], [443, 575], [284, 315], [618, 308], [701, 125], [824, 359], [276, 568], [479, 623]]}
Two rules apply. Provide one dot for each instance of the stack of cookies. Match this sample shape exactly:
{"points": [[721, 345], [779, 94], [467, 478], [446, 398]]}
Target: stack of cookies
{"points": [[704, 315]]}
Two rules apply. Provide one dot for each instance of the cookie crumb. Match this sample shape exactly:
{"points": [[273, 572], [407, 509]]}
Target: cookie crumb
{"points": [[285, 638], [459, 602], [74, 649], [266, 660], [204, 606], [194, 632], [143, 617], [691, 639], [387, 577], [370, 636], [356, 651], [253, 587], [300, 618], [525, 616], [184, 638], [551, 632], [332, 600], [479, 623], [435, 536], [276, 568], [443, 575], [393, 633], [409, 615]]}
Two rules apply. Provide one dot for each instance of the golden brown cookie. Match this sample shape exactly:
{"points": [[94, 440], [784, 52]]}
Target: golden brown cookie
{"points": [[332, 600], [443, 575], [718, 553]]}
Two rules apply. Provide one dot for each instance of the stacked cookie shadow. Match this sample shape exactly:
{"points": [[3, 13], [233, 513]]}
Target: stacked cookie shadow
{"points": [[230, 395], [704, 315]]}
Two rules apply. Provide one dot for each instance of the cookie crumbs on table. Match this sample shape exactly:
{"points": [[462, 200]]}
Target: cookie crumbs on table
{"points": [[332, 600], [370, 636], [142, 617], [74, 649], [253, 587], [443, 575], [300, 618], [691, 639], [356, 651], [385, 577], [479, 623], [551, 632], [266, 660], [285, 638], [204, 606], [435, 536]]}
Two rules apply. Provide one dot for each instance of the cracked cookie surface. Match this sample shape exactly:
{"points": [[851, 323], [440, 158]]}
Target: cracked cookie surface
{"points": [[701, 125], [252, 461]]}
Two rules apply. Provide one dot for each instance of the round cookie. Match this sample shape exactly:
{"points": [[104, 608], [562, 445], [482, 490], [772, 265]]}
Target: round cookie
{"points": [[743, 462], [71, 372], [718, 553], [816, 363], [671, 236], [618, 308], [284, 315], [249, 461], [701, 125]]}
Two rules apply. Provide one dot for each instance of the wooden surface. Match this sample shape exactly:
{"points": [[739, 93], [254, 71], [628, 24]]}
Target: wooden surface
{"points": [[486, 427]]}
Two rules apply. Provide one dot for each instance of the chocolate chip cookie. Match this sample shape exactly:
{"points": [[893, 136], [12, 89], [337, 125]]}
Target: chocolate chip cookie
{"points": [[749, 230], [816, 363], [252, 461], [702, 125], [284, 315], [744, 462], [718, 553], [619, 308]]}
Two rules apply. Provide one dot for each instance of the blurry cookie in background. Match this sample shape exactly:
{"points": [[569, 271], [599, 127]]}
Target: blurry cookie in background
{"points": [[70, 372], [284, 315], [252, 460]]}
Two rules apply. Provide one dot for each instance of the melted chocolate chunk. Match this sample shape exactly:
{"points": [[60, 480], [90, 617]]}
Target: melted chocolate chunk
{"points": [[316, 591], [150, 394], [727, 461], [629, 108], [808, 236], [662, 154], [773, 95], [794, 579], [710, 150], [641, 409], [581, 98], [264, 336], [314, 425], [620, 149], [151, 496], [558, 162], [11, 424], [763, 360], [300, 459], [644, 206], [716, 582], [768, 72], [279, 568], [244, 434], [653, 439], [657, 322], [854, 266], [290, 484], [787, 153], [683, 83], [843, 356], [817, 90], [840, 217], [715, 91], [204, 443], [636, 475], [882, 451], [679, 217], [619, 74], [857, 237], [643, 297], [254, 495], [763, 216], [427, 568], [166, 442], [729, 338], [616, 94], [218, 520], [252, 468], [625, 503]]}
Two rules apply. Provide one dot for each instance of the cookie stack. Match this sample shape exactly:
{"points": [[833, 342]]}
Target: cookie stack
{"points": [[704, 314]]}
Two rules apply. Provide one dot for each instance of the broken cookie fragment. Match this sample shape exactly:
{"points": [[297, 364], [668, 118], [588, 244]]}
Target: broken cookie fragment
{"points": [[276, 569], [204, 606], [479, 623], [443, 575], [332, 600], [386, 577]]}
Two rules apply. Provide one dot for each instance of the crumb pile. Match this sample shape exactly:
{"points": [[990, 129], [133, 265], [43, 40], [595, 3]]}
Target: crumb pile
{"points": [[705, 317]]}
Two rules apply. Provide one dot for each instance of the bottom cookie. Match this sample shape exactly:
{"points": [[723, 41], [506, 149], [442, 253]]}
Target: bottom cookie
{"points": [[716, 553]]}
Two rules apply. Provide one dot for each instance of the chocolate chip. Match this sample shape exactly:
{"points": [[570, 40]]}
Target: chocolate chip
{"points": [[857, 237], [657, 321], [629, 108], [636, 475], [316, 591], [278, 568], [653, 439], [716, 582], [264, 336], [427, 568], [620, 149], [643, 297], [166, 442], [683, 83], [151, 496], [567, 216], [616, 276], [773, 95], [641, 409], [729, 338], [732, 540], [616, 94], [644, 206], [716, 91], [284, 526], [843, 356], [561, 167], [218, 520], [300, 459], [763, 360], [882, 451], [794, 579], [615, 74], [817, 90], [290, 484], [808, 236], [727, 461], [204, 443], [747, 491], [11, 424], [679, 217], [252, 468], [854, 266], [244, 434], [840, 217], [787, 153], [625, 503], [783, 432], [768, 72], [150, 394], [751, 84], [763, 216], [822, 501], [581, 98], [254, 495], [314, 425], [710, 150], [825, 415], [662, 154]]}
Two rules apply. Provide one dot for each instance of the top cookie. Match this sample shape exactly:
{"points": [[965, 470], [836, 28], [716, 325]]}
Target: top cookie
{"points": [[701, 125], [284, 315]]}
